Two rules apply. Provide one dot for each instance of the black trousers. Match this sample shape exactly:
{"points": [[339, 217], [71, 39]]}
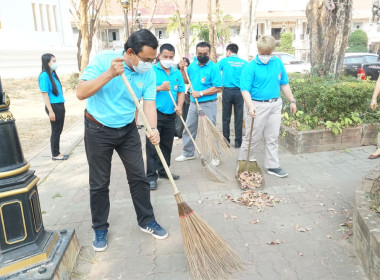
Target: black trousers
{"points": [[166, 127], [56, 127], [232, 97], [100, 142]]}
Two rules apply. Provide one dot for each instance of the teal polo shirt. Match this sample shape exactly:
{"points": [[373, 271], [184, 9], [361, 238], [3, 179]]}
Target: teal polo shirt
{"points": [[112, 105], [164, 103], [203, 77], [264, 81], [46, 86], [231, 68]]}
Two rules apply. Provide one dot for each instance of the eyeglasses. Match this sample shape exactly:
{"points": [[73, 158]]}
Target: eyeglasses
{"points": [[145, 59]]}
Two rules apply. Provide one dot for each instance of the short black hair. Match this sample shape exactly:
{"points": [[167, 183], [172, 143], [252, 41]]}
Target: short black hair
{"points": [[233, 48], [168, 47], [139, 39], [203, 45]]}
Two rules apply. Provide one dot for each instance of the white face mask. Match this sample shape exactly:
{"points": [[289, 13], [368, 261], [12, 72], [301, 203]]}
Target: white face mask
{"points": [[142, 67], [167, 63], [265, 58], [54, 66]]}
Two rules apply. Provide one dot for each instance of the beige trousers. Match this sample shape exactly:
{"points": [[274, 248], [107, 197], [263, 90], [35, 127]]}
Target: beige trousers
{"points": [[266, 124]]}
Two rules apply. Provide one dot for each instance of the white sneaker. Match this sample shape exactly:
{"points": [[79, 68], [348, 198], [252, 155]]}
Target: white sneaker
{"points": [[215, 162], [183, 158]]}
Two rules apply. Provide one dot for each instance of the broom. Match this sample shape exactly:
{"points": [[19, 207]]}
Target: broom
{"points": [[208, 132], [215, 173], [209, 256]]}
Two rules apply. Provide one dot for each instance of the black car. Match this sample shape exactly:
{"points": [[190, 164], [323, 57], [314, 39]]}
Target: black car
{"points": [[361, 65]]}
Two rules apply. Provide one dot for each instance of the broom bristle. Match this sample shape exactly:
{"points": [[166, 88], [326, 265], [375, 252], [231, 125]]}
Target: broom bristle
{"points": [[214, 173], [209, 256], [211, 141]]}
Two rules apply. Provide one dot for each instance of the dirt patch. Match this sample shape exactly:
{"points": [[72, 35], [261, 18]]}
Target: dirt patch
{"points": [[28, 108]]}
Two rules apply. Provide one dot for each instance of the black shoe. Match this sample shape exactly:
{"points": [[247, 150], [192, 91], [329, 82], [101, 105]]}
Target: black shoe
{"points": [[165, 176], [237, 146], [153, 185]]}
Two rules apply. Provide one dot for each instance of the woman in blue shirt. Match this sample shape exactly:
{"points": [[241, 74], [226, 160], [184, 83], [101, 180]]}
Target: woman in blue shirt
{"points": [[51, 89]]}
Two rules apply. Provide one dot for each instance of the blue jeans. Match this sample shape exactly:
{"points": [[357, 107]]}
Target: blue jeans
{"points": [[232, 97]]}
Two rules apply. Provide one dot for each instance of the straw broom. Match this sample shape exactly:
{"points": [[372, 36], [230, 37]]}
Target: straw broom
{"points": [[214, 172], [208, 132], [209, 256]]}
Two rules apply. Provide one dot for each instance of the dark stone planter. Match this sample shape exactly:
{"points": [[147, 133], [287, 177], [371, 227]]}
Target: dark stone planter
{"points": [[366, 227], [311, 141]]}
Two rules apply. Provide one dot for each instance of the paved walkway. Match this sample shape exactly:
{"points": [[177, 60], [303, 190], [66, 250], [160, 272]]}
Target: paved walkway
{"points": [[317, 196]]}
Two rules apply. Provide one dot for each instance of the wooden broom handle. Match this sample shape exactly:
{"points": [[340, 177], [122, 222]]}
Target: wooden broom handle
{"points": [[147, 125], [249, 145], [185, 126], [191, 86]]}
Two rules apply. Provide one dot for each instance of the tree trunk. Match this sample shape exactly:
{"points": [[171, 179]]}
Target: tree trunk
{"points": [[248, 27], [85, 54], [329, 32], [211, 30], [216, 16], [181, 46], [150, 22], [79, 56], [188, 16]]}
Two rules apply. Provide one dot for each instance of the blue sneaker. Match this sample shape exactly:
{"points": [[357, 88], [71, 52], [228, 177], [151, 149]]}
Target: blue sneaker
{"points": [[100, 240], [155, 229]]}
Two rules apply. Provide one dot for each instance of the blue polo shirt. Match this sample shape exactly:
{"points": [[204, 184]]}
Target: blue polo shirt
{"points": [[164, 103], [204, 77], [46, 86], [112, 105], [231, 68], [263, 81]]}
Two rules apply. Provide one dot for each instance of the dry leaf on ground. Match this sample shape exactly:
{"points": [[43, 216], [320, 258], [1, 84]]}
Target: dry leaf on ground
{"points": [[249, 180], [252, 198]]}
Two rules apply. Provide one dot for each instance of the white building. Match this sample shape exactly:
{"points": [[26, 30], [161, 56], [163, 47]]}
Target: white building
{"points": [[30, 28]]}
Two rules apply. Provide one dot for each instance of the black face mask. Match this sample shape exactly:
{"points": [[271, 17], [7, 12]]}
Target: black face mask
{"points": [[203, 59]]}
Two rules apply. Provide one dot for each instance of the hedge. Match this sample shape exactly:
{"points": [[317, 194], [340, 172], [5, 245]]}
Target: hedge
{"points": [[325, 103]]}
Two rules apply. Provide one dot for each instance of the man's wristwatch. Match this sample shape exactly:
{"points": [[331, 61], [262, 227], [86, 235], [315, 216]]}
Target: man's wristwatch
{"points": [[201, 93], [293, 101]]}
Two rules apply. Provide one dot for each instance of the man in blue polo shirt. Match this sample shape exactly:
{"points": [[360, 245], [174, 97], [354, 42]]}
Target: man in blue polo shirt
{"points": [[207, 82], [168, 79], [261, 82], [231, 67], [110, 125]]}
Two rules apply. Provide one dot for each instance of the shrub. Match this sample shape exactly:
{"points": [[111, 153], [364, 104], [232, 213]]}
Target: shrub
{"points": [[358, 41], [286, 42], [325, 103]]}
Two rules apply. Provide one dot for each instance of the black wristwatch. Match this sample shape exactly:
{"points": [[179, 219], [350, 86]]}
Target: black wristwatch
{"points": [[293, 101]]}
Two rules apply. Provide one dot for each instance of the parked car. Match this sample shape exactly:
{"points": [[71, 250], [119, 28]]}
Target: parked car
{"points": [[292, 64], [361, 65]]}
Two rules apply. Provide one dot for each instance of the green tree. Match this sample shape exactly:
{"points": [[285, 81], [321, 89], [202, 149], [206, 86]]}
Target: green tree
{"points": [[222, 27], [358, 41], [286, 42]]}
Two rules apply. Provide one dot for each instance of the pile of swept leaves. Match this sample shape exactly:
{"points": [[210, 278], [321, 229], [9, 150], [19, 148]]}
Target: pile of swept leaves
{"points": [[249, 180], [253, 198]]}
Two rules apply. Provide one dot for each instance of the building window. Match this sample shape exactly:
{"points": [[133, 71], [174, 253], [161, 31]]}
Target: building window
{"points": [[34, 16], [48, 17], [276, 33], [55, 19], [42, 18], [113, 35], [161, 33]]}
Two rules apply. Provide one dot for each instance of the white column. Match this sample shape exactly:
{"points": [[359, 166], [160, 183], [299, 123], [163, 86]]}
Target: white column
{"points": [[268, 27], [298, 32]]}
